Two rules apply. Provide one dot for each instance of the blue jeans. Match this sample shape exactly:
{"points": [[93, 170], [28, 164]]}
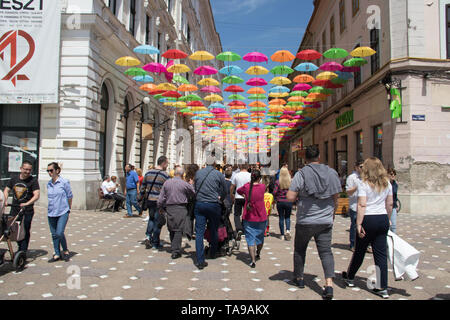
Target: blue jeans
{"points": [[153, 231], [27, 219], [57, 227], [393, 226], [131, 201], [206, 213], [284, 213], [352, 215]]}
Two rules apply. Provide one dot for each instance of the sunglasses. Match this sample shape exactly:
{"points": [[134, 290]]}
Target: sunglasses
{"points": [[50, 170]]}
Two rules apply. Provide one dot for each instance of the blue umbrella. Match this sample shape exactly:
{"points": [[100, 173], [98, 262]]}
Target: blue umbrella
{"points": [[146, 49], [231, 70], [145, 78], [217, 105], [279, 89], [344, 75], [306, 67]]}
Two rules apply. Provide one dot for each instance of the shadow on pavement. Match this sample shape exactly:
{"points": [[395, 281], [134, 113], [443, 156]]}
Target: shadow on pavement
{"points": [[341, 246], [308, 278], [441, 296]]}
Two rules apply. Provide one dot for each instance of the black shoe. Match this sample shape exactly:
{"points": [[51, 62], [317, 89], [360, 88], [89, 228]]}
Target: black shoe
{"points": [[54, 259], [381, 293], [148, 244], [176, 255], [2, 258], [252, 265], [66, 257], [347, 281], [299, 283], [258, 257], [201, 265], [239, 235], [327, 293]]}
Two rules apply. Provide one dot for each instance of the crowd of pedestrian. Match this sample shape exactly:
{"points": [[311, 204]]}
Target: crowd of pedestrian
{"points": [[200, 203]]}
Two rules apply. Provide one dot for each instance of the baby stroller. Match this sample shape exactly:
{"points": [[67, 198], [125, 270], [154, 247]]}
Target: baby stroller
{"points": [[12, 229], [227, 236]]}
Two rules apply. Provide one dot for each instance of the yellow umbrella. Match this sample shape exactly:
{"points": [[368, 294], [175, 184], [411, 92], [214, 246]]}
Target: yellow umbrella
{"points": [[213, 98], [201, 56], [278, 94], [179, 68], [208, 82], [128, 62], [280, 81], [276, 108], [326, 76], [362, 52], [166, 86], [180, 104], [257, 70]]}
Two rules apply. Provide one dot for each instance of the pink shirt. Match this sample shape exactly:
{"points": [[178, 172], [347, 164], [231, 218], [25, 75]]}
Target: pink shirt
{"points": [[258, 210]]}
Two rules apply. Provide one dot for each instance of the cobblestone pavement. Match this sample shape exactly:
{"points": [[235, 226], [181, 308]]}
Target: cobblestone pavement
{"points": [[113, 264]]}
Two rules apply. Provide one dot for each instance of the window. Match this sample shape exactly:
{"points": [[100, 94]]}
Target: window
{"points": [[104, 104], [375, 45], [132, 17], [359, 145], [169, 6], [159, 46], [357, 75], [324, 41], [335, 166], [332, 35], [188, 37], [448, 31], [147, 29], [378, 142], [355, 7], [113, 6], [342, 15], [325, 147]]}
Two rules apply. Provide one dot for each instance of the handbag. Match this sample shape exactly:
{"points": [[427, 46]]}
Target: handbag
{"points": [[144, 204], [162, 220]]}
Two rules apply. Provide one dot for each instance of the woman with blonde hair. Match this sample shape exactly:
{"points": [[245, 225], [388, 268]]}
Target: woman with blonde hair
{"points": [[284, 207], [374, 210]]}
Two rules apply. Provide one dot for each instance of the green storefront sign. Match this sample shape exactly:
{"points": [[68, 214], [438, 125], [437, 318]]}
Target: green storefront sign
{"points": [[344, 120]]}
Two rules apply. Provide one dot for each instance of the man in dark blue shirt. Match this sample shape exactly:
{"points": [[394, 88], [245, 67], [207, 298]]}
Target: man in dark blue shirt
{"points": [[132, 191]]}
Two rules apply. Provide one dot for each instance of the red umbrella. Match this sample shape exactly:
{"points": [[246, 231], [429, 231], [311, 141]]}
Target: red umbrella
{"points": [[195, 104], [237, 103], [331, 85], [234, 89], [174, 54], [157, 91], [320, 83], [309, 55], [171, 94]]}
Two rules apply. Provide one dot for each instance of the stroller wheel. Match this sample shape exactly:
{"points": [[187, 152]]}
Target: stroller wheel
{"points": [[19, 261]]}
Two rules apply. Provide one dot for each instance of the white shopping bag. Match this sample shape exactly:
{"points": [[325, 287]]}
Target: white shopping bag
{"points": [[403, 257]]}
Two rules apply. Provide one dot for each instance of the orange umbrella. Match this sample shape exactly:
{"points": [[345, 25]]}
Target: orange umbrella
{"points": [[256, 90], [282, 56], [187, 88], [277, 102], [303, 78], [296, 99], [148, 87], [257, 104]]}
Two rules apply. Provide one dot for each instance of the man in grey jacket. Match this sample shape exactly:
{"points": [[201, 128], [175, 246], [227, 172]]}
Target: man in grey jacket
{"points": [[210, 188], [317, 187]]}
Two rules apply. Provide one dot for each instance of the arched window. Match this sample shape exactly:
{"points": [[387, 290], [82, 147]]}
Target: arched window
{"points": [[104, 104]]}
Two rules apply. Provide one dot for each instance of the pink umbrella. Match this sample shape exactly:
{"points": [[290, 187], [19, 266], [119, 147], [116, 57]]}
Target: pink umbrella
{"points": [[331, 66], [351, 69], [302, 87], [155, 67], [256, 82], [255, 57], [205, 71], [169, 75], [211, 89]]}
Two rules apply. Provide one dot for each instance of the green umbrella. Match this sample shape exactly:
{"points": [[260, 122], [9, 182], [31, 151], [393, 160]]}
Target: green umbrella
{"points": [[339, 81], [280, 70], [228, 56], [295, 104], [190, 97], [232, 80], [135, 72], [180, 79], [257, 109], [317, 89], [236, 97], [185, 110], [355, 62], [298, 94], [158, 96], [272, 120], [257, 97], [269, 127], [299, 113], [335, 53]]}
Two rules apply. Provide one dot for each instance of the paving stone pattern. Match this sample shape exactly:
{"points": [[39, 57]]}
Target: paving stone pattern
{"points": [[112, 263]]}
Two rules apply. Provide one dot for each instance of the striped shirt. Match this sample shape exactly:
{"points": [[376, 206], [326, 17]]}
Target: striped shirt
{"points": [[161, 177]]}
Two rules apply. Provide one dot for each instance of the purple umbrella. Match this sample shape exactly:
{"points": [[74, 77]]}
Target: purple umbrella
{"points": [[302, 87], [210, 89], [256, 82], [255, 57], [331, 66], [155, 67], [351, 69], [205, 71]]}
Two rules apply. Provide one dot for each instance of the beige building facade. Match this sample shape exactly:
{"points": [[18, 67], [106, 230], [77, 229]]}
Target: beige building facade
{"points": [[411, 40]]}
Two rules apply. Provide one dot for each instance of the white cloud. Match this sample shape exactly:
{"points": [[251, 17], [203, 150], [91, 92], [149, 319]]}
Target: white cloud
{"points": [[224, 7]]}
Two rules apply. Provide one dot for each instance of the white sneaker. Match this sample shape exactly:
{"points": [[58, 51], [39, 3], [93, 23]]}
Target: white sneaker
{"points": [[282, 237], [146, 219], [287, 236]]}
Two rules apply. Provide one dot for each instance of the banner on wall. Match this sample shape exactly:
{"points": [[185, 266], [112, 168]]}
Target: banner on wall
{"points": [[29, 51]]}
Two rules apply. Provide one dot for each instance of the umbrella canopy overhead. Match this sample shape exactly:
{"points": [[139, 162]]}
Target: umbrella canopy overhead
{"points": [[128, 62], [363, 52], [143, 78], [135, 72], [255, 57], [211, 89], [256, 90], [280, 81], [166, 86], [148, 87], [179, 68], [180, 79], [155, 67], [335, 53], [257, 70], [256, 82], [309, 55], [306, 67], [231, 70], [331, 66], [234, 88], [228, 56], [205, 71], [201, 56], [208, 82], [303, 78], [174, 54], [355, 62], [282, 56], [280, 70], [146, 49], [187, 88]]}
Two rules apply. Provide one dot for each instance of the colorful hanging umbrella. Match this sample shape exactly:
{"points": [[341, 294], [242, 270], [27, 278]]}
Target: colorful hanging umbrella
{"points": [[148, 87], [179, 68], [234, 89], [187, 88], [237, 104], [279, 89], [146, 49], [191, 97], [296, 99], [326, 76], [301, 87], [208, 82], [351, 69], [201, 56], [257, 97], [257, 104], [180, 79], [280, 81], [211, 89], [355, 62], [255, 57], [257, 70], [320, 82], [362, 52], [280, 70], [335, 53], [236, 97], [303, 78], [256, 82], [256, 90], [231, 70], [278, 94], [174, 54], [232, 80], [339, 81], [282, 56], [144, 78], [306, 67], [309, 55], [344, 75], [213, 98], [135, 72], [298, 94], [171, 94], [228, 56], [331, 66], [205, 71], [180, 104], [127, 62], [155, 67], [277, 102], [166, 86]]}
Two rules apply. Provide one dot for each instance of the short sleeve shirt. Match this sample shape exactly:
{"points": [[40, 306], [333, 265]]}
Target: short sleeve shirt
{"points": [[352, 182], [268, 200], [239, 180], [22, 191], [376, 201]]}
